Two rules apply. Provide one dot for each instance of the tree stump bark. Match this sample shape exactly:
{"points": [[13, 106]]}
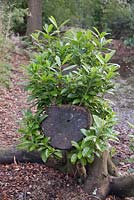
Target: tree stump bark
{"points": [[97, 181], [64, 123]]}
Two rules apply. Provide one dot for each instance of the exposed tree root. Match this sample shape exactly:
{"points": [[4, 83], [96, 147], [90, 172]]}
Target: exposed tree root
{"points": [[112, 169], [122, 186], [98, 181], [8, 155]]}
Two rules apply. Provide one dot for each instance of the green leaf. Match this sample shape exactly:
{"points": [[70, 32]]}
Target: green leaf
{"points": [[90, 138], [98, 147], [64, 90], [110, 75], [100, 58], [35, 36], [76, 101], [43, 156], [79, 155], [75, 144], [69, 67], [24, 145], [107, 42], [43, 117], [53, 21], [73, 158], [67, 58], [90, 159], [58, 154], [86, 68], [108, 56], [65, 22], [45, 140], [131, 170], [98, 121], [103, 34], [33, 147], [96, 30], [58, 61], [84, 132], [97, 154], [50, 27], [131, 125], [71, 95], [85, 151], [79, 34], [46, 28]]}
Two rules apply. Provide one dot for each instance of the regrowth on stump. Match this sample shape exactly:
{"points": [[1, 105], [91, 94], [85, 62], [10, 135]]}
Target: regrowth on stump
{"points": [[73, 122]]}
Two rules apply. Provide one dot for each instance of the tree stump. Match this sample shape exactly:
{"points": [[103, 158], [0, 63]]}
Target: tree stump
{"points": [[64, 124]]}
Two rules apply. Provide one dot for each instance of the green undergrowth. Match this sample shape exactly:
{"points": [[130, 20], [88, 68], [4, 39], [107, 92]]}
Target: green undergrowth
{"points": [[5, 66], [5, 48]]}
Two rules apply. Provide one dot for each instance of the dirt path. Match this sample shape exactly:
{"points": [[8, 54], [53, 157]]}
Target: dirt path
{"points": [[12, 102]]}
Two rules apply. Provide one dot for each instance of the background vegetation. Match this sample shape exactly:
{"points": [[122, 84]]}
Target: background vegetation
{"points": [[5, 47], [114, 16]]}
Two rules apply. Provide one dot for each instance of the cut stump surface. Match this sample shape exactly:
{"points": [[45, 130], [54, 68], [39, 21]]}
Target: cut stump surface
{"points": [[64, 124]]}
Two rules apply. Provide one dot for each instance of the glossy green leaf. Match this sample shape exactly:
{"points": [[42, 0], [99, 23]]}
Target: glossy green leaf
{"points": [[69, 68], [33, 147], [64, 23], [84, 132], [64, 90], [98, 147], [85, 151], [58, 61], [100, 58], [50, 27], [73, 158], [76, 101], [52, 19], [58, 154], [108, 56], [44, 156], [67, 58], [79, 155], [98, 121], [75, 144]]}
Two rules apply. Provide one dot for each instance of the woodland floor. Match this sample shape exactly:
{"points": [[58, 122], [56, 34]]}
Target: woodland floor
{"points": [[36, 181]]}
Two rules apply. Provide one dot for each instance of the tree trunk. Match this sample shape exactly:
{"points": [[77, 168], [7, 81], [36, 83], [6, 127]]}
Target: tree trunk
{"points": [[34, 20], [97, 182]]}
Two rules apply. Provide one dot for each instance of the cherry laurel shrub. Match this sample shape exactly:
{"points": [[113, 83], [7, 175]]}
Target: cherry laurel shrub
{"points": [[70, 67]]}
